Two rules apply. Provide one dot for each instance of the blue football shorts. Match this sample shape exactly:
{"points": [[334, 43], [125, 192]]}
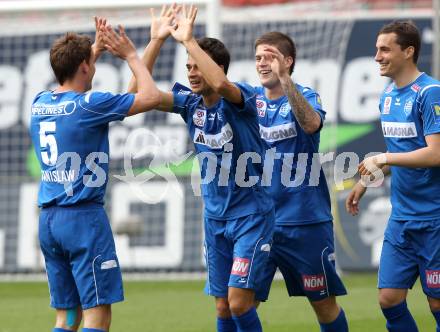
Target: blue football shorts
{"points": [[80, 256], [305, 256], [411, 249], [236, 252]]}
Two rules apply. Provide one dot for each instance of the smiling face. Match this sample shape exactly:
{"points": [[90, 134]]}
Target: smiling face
{"points": [[390, 56], [197, 83], [268, 79]]}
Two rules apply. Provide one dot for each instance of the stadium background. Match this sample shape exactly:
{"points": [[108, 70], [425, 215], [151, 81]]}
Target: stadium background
{"points": [[163, 238]]}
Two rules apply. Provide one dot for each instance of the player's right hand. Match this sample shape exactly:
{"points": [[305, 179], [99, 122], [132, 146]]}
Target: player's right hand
{"points": [[182, 31], [119, 44], [160, 25], [352, 201]]}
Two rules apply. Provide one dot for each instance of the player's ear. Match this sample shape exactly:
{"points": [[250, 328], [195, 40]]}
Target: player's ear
{"points": [[84, 67], [288, 61], [409, 52]]}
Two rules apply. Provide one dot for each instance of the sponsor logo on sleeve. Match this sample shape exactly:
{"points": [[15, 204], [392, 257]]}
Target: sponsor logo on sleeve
{"points": [[399, 129], [314, 283], [240, 267], [436, 112], [278, 133], [199, 117], [214, 141], [433, 278], [261, 108], [387, 105]]}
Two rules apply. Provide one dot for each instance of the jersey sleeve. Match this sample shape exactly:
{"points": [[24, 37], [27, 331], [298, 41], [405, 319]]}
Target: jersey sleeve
{"points": [[104, 107], [248, 94], [430, 110], [182, 97], [314, 100]]}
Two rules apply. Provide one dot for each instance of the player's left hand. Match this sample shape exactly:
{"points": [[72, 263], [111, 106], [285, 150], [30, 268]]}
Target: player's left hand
{"points": [[373, 164], [279, 63], [99, 46], [182, 31], [160, 25]]}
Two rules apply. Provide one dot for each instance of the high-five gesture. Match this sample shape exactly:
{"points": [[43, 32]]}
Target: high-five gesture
{"points": [[99, 46], [118, 44], [160, 26], [183, 30]]}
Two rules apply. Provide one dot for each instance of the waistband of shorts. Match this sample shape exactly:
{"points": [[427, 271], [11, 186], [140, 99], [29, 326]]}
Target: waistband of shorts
{"points": [[77, 206]]}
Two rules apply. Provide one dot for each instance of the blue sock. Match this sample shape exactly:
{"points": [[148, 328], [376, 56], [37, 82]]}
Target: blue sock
{"points": [[248, 322], [437, 319], [399, 319], [226, 325], [87, 329], [59, 329], [338, 325]]}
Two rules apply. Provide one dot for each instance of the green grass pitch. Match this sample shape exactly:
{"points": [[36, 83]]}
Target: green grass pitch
{"points": [[167, 306]]}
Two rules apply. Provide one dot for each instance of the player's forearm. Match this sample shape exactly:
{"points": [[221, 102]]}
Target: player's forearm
{"points": [[96, 52], [212, 73], [424, 157], [306, 116], [149, 58], [146, 88]]}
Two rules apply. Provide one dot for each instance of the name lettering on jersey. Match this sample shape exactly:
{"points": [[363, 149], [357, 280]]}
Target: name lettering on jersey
{"points": [[415, 88], [199, 117], [435, 107], [58, 176], [64, 108], [408, 106], [314, 283], [399, 129], [433, 278], [397, 103], [240, 267], [215, 141], [278, 133], [285, 109], [387, 105], [261, 107]]}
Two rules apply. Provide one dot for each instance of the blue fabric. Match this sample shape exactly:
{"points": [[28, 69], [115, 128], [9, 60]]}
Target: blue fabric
{"points": [[69, 132], [338, 325], [437, 319], [248, 322], [85, 329], [58, 329], [307, 270], [226, 325], [80, 256], [399, 319], [297, 183], [236, 252], [221, 135], [408, 114], [411, 249]]}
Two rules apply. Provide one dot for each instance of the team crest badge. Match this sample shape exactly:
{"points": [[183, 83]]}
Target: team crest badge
{"points": [[285, 109], [408, 106], [261, 108], [387, 105]]}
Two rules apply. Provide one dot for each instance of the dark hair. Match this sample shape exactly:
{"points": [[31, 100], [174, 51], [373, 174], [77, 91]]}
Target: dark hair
{"points": [[67, 53], [216, 50], [407, 35], [282, 42]]}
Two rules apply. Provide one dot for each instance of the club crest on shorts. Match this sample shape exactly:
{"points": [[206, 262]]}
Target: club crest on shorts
{"points": [[240, 267], [199, 117]]}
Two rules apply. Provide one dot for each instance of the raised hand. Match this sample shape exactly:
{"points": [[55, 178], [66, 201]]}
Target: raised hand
{"points": [[183, 30], [160, 26], [278, 62], [99, 45], [118, 44]]}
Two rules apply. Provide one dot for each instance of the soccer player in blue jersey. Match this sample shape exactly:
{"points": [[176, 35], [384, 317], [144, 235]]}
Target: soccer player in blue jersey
{"points": [[69, 130], [291, 117], [222, 122], [410, 115]]}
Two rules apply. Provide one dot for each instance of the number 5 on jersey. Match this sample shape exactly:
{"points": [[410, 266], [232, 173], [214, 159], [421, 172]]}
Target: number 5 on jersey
{"points": [[47, 138]]}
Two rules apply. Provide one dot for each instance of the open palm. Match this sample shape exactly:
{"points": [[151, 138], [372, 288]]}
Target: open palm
{"points": [[160, 26], [183, 31]]}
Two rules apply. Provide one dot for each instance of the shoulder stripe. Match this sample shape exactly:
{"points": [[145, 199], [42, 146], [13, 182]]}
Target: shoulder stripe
{"points": [[428, 87]]}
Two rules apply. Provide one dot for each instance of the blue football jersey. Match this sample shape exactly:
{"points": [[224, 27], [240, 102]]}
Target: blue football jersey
{"points": [[69, 131], [224, 135], [300, 193], [408, 114]]}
